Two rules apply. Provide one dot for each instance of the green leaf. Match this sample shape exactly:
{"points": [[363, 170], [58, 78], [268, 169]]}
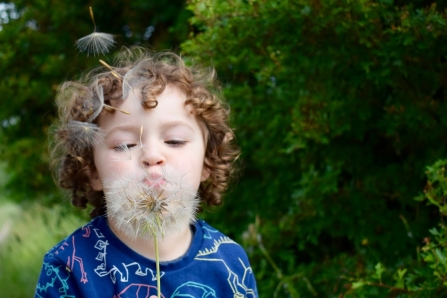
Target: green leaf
{"points": [[434, 231], [357, 285], [379, 270]]}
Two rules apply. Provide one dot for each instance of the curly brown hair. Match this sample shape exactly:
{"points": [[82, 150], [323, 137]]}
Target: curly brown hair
{"points": [[73, 163]]}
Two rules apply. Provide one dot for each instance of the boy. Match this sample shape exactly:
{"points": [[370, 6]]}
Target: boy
{"points": [[141, 143]]}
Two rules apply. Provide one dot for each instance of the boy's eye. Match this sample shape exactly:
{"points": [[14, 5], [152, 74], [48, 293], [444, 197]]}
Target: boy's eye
{"points": [[123, 147], [175, 143]]}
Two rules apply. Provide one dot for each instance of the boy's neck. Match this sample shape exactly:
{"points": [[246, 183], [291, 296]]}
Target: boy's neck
{"points": [[169, 248]]}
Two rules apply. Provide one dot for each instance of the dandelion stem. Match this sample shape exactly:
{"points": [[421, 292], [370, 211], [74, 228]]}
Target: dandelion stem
{"points": [[157, 260], [141, 146], [93, 18]]}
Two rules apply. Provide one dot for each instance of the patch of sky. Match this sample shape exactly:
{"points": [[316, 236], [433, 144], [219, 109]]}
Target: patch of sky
{"points": [[11, 121], [32, 24], [7, 12], [148, 32]]}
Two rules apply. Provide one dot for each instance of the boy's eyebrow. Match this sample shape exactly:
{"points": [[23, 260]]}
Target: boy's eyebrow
{"points": [[172, 124], [133, 128], [130, 128]]}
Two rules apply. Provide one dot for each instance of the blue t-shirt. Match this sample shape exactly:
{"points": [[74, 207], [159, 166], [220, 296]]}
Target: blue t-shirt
{"points": [[93, 262]]}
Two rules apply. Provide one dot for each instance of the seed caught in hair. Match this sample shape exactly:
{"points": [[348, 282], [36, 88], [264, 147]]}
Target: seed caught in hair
{"points": [[99, 105], [82, 135], [114, 73]]}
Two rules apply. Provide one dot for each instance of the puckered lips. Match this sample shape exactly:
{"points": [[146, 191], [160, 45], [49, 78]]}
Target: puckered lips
{"points": [[154, 180]]}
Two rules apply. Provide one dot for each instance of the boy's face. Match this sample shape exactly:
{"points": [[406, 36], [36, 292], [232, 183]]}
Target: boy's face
{"points": [[168, 135]]}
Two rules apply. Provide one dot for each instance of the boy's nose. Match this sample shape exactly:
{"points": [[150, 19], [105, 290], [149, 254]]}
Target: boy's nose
{"points": [[151, 157]]}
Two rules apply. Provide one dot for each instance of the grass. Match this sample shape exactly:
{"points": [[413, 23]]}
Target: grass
{"points": [[25, 236], [7, 212]]}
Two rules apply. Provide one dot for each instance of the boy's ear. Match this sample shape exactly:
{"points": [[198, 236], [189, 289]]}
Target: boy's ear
{"points": [[95, 182], [205, 173]]}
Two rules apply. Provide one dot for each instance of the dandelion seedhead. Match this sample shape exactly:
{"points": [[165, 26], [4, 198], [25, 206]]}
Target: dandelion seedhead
{"points": [[97, 42], [83, 135], [150, 205]]}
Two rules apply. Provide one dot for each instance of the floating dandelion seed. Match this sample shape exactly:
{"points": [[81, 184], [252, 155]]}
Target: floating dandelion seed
{"points": [[97, 42], [83, 135]]}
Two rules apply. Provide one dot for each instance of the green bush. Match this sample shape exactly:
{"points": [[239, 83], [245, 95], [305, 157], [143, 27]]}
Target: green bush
{"points": [[428, 276], [338, 107]]}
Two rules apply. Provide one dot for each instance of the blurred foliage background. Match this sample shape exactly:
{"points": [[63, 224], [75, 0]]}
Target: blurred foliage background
{"points": [[338, 105]]}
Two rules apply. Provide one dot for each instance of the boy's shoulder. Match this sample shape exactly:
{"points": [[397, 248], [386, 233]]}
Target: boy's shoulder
{"points": [[215, 243], [209, 232], [220, 257], [88, 234]]}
